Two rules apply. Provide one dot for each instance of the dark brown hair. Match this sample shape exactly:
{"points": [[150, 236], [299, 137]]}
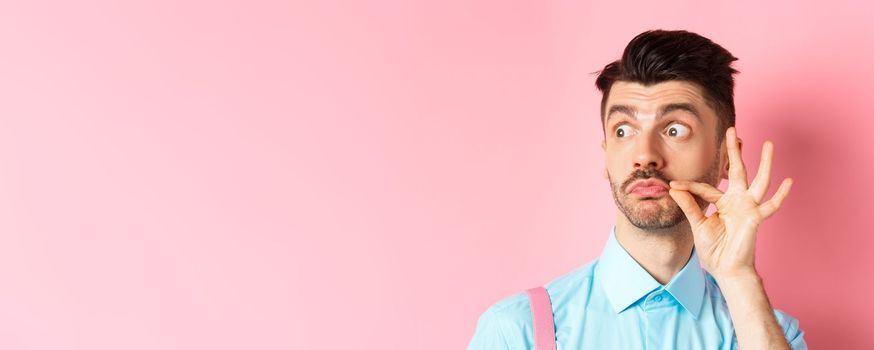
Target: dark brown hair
{"points": [[657, 56]]}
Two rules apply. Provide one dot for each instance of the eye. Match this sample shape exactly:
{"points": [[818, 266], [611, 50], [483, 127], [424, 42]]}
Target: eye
{"points": [[678, 130], [623, 130]]}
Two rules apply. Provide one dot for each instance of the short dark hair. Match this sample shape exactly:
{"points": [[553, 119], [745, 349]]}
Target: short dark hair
{"points": [[657, 56]]}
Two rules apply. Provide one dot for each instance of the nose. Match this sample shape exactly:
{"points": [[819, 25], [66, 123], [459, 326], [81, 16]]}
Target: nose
{"points": [[647, 152]]}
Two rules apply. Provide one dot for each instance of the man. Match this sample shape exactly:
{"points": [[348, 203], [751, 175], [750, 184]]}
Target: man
{"points": [[669, 277]]}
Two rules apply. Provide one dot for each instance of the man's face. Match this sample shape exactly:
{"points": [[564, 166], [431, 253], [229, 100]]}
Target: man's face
{"points": [[660, 133]]}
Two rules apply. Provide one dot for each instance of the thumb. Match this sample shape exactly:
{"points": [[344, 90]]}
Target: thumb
{"points": [[689, 206]]}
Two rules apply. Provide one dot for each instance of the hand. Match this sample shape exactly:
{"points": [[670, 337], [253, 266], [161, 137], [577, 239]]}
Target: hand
{"points": [[726, 240]]}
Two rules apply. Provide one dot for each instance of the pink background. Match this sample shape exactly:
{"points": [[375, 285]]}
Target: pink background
{"points": [[362, 175]]}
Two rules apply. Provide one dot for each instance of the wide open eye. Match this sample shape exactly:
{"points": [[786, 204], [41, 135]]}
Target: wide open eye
{"points": [[623, 131], [678, 130]]}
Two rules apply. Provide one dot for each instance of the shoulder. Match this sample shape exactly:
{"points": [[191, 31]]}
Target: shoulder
{"points": [[507, 323], [791, 329], [790, 325], [503, 325], [786, 320], [516, 307], [572, 286], [511, 309]]}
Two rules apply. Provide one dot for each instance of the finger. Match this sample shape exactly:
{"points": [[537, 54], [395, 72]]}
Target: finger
{"points": [[689, 206], [763, 176], [770, 207], [737, 173], [703, 190]]}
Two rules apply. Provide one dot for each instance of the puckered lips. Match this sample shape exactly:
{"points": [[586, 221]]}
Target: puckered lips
{"points": [[648, 188]]}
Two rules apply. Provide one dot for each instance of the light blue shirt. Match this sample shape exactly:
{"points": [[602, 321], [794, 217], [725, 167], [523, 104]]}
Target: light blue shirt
{"points": [[613, 303]]}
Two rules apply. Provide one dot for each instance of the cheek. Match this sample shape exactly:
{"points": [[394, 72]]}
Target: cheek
{"points": [[695, 164], [615, 165]]}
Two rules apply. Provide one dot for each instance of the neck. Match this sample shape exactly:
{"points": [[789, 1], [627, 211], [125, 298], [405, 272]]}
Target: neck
{"points": [[662, 253]]}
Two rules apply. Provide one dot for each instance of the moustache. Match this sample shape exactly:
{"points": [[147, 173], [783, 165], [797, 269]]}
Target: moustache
{"points": [[644, 174]]}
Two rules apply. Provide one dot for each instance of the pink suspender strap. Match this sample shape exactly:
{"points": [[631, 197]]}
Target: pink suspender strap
{"points": [[541, 312]]}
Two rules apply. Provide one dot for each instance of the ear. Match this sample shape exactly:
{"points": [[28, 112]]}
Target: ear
{"points": [[604, 147], [724, 156]]}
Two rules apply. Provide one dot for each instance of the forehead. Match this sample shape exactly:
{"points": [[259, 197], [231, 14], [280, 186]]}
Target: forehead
{"points": [[647, 99]]}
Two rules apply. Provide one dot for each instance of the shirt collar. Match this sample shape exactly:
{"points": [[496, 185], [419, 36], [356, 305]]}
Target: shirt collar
{"points": [[625, 281]]}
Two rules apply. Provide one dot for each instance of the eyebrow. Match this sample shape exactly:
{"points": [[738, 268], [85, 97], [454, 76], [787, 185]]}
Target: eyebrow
{"points": [[632, 112]]}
